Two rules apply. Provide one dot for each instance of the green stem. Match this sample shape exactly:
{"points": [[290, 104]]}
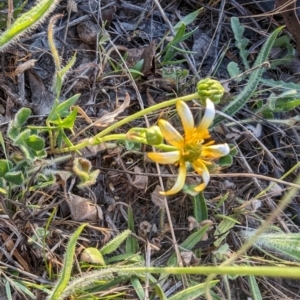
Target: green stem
{"points": [[93, 141], [145, 112], [101, 136]]}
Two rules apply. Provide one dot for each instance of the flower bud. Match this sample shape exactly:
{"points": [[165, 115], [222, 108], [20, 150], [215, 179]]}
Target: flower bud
{"points": [[154, 136], [210, 88]]}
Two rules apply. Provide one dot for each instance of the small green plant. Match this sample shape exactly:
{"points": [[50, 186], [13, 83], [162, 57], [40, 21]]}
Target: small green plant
{"points": [[16, 170], [241, 43], [238, 103], [171, 49], [284, 96]]}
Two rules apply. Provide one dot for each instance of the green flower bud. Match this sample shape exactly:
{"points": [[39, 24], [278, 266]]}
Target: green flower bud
{"points": [[210, 88], [154, 136]]}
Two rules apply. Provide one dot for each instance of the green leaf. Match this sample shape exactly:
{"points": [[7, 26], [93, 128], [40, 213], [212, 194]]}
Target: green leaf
{"points": [[138, 67], [187, 35], [254, 288], [22, 116], [233, 150], [68, 66], [224, 228], [90, 181], [82, 168], [131, 242], [179, 34], [63, 108], [286, 104], [62, 137], [241, 42], [188, 244], [92, 255], [188, 19], [8, 291], [15, 126], [194, 291], [135, 281], [59, 78], [15, 177], [40, 154], [57, 85], [169, 51], [69, 121], [22, 137], [278, 244], [19, 285], [239, 102], [5, 166], [179, 50], [35, 142], [3, 191], [225, 161], [60, 110], [2, 143], [234, 70], [281, 84], [115, 243], [65, 275], [284, 42], [200, 207], [128, 258]]}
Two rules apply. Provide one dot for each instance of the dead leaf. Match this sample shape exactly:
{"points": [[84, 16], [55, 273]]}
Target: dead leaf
{"points": [[192, 223], [88, 32], [22, 68], [83, 209], [110, 117], [155, 244], [90, 151], [157, 198], [10, 246], [72, 6], [189, 258], [42, 100], [145, 227], [139, 181], [145, 53], [107, 16]]}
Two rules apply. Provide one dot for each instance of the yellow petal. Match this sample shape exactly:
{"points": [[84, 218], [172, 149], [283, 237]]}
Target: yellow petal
{"points": [[179, 182], [186, 118], [207, 119], [171, 135], [201, 168], [215, 151], [165, 157]]}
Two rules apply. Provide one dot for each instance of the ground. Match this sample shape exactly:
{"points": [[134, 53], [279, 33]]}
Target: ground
{"points": [[127, 59]]}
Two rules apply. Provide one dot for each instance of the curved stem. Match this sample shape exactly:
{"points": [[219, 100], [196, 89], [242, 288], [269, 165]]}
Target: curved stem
{"points": [[103, 137], [93, 141], [146, 111]]}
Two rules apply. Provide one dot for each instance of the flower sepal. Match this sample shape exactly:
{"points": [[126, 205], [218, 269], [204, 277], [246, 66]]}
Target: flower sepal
{"points": [[150, 136]]}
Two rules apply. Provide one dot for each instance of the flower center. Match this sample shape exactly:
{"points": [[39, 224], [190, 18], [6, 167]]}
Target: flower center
{"points": [[191, 152]]}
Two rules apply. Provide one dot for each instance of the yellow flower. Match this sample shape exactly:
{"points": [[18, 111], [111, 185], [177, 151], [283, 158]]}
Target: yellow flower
{"points": [[191, 148]]}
